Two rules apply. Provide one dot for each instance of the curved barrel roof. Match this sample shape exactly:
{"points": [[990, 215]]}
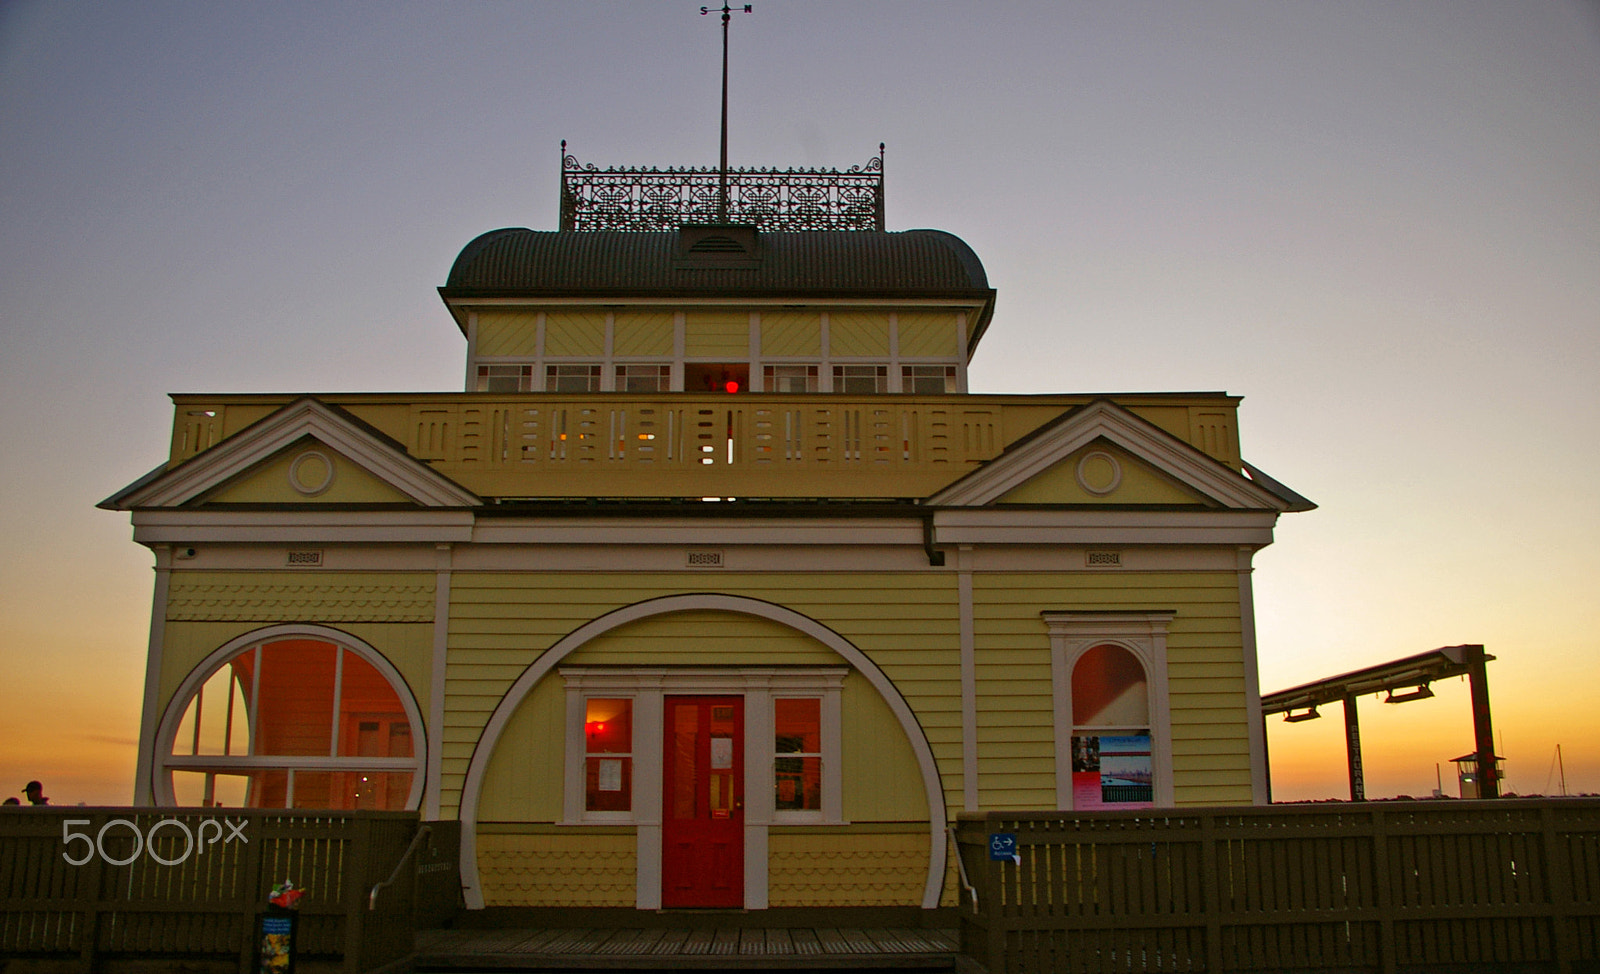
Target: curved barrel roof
{"points": [[517, 260]]}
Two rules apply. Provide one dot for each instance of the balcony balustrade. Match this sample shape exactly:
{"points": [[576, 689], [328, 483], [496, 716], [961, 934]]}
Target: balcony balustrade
{"points": [[691, 445]]}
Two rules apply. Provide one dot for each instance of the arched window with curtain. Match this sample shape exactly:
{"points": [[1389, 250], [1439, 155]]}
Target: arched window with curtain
{"points": [[294, 720]]}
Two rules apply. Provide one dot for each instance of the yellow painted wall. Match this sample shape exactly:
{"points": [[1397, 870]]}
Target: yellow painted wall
{"points": [[927, 333], [1140, 482], [574, 333], [905, 622], [882, 782], [525, 776], [858, 333], [1205, 668], [508, 333], [269, 481], [717, 334], [791, 333], [577, 866], [642, 333], [845, 867]]}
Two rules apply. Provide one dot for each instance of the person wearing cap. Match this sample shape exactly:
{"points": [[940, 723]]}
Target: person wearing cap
{"points": [[35, 793]]}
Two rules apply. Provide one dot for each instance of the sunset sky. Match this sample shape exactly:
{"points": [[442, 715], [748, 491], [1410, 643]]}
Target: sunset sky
{"points": [[1378, 222]]}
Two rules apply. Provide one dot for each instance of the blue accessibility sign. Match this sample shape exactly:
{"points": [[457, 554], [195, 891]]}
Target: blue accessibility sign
{"points": [[1003, 847]]}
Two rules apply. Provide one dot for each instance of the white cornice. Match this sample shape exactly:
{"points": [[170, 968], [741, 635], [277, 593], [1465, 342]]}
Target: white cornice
{"points": [[195, 526], [261, 440], [1105, 419], [999, 525]]}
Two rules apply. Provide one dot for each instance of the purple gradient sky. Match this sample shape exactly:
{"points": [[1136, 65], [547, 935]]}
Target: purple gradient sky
{"points": [[1380, 223]]}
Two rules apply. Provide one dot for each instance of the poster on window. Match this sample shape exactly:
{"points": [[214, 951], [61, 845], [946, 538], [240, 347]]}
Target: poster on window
{"points": [[1111, 771]]}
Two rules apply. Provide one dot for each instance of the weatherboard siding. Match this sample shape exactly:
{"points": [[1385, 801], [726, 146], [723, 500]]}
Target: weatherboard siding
{"points": [[501, 622], [1205, 672]]}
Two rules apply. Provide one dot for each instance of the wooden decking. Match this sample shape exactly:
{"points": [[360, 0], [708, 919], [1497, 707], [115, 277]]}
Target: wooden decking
{"points": [[704, 948]]}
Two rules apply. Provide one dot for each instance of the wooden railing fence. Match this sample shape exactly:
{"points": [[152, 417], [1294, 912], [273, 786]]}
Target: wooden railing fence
{"points": [[98, 886], [1392, 886]]}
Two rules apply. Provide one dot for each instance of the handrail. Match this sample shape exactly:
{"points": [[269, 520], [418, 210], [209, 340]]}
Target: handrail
{"points": [[422, 833], [961, 867]]}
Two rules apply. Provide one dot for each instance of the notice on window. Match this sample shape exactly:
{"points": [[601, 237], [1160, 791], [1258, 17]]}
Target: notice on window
{"points": [[721, 753], [610, 774]]}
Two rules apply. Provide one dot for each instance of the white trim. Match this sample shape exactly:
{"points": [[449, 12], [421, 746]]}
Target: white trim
{"points": [[1104, 419], [472, 786], [144, 770], [1117, 528], [969, 682], [1259, 788], [163, 758], [1144, 634], [439, 672], [472, 352], [261, 440], [191, 525], [699, 532]]}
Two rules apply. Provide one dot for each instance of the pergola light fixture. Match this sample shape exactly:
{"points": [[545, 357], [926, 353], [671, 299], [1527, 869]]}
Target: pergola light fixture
{"points": [[1310, 713], [1420, 693]]}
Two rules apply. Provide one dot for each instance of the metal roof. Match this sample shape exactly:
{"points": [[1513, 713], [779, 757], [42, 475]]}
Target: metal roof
{"points": [[517, 260], [1412, 671]]}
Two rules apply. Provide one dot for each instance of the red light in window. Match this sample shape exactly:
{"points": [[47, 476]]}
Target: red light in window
{"points": [[731, 386]]}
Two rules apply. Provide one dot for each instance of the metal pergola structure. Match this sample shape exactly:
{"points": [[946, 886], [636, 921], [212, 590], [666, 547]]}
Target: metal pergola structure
{"points": [[1404, 680]]}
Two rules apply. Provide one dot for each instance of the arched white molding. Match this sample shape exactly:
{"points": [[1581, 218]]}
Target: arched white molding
{"points": [[1144, 634], [161, 785], [472, 787]]}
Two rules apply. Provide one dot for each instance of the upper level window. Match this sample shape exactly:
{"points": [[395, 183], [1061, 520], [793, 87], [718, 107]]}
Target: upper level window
{"points": [[644, 378], [572, 378], [927, 379], [505, 378], [857, 379], [790, 378]]}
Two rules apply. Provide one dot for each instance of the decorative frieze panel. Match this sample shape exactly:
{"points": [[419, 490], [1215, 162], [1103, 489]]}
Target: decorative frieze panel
{"points": [[319, 597]]}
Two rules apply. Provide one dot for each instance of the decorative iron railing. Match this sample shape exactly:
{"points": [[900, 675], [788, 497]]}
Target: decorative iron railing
{"points": [[773, 199]]}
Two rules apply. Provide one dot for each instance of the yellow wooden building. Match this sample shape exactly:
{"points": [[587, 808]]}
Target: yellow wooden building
{"points": [[716, 587]]}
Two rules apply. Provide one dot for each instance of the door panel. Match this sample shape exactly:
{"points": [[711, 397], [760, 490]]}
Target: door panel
{"points": [[702, 829]]}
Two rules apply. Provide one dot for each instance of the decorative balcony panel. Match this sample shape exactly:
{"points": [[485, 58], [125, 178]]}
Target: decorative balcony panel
{"points": [[772, 199], [535, 445]]}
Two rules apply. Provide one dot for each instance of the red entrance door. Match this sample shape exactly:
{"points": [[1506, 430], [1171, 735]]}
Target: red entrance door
{"points": [[702, 830]]}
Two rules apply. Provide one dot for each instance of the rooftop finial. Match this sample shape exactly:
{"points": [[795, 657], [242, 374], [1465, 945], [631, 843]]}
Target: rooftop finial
{"points": [[722, 182]]}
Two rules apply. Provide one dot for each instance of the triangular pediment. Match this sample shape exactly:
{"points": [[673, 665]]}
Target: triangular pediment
{"points": [[1103, 473], [1101, 453], [305, 453]]}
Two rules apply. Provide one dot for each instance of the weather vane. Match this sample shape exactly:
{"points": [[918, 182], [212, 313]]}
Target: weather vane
{"points": [[722, 170]]}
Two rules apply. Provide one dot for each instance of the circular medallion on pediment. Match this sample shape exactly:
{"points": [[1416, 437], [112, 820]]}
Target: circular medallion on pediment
{"points": [[1099, 473], [311, 473]]}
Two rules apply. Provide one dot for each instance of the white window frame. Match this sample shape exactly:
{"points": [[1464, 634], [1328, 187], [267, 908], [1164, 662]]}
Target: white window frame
{"points": [[648, 687], [1144, 634]]}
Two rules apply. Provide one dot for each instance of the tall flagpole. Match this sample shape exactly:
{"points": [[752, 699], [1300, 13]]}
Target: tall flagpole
{"points": [[722, 168]]}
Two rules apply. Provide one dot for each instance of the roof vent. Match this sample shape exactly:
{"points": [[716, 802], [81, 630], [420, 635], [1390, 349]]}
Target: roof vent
{"points": [[721, 246], [717, 245]]}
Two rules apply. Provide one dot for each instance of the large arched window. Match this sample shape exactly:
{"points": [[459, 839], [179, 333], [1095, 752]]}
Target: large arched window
{"points": [[293, 718]]}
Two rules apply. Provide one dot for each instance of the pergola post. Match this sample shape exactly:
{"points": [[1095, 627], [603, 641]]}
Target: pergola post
{"points": [[1352, 751], [1482, 725]]}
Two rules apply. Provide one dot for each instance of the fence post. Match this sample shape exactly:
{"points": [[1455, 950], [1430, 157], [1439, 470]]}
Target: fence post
{"points": [[1383, 893], [355, 855], [1213, 892], [1558, 884], [249, 894], [90, 894]]}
